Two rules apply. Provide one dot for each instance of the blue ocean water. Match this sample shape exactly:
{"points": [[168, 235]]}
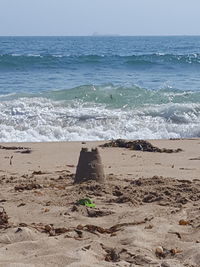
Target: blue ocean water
{"points": [[94, 88]]}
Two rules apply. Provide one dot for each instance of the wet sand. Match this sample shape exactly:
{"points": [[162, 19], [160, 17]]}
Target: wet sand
{"points": [[150, 202]]}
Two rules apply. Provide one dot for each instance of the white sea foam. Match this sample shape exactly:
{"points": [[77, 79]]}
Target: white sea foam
{"points": [[33, 55], [40, 119]]}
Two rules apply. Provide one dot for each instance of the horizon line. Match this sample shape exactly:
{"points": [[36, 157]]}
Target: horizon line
{"points": [[107, 35]]}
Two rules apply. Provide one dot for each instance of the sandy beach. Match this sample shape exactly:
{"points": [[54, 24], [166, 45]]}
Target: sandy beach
{"points": [[146, 214]]}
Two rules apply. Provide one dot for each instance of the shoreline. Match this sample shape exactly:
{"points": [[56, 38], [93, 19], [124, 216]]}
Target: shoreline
{"points": [[103, 140], [100, 141], [55, 155]]}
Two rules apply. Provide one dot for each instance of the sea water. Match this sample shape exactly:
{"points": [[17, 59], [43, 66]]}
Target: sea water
{"points": [[95, 88]]}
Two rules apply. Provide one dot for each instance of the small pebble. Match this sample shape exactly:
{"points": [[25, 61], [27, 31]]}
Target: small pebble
{"points": [[159, 250]]}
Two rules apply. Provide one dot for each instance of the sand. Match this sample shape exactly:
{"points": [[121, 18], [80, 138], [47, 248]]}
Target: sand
{"points": [[147, 213]]}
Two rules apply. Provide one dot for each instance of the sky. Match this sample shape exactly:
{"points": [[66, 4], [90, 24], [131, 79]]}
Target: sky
{"points": [[84, 17]]}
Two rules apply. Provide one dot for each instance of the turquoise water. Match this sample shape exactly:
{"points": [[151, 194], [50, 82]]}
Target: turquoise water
{"points": [[94, 88]]}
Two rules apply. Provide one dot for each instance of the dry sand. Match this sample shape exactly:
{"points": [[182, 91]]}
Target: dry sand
{"points": [[150, 201]]}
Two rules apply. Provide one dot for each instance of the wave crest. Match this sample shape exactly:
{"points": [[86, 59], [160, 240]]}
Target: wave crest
{"points": [[10, 61]]}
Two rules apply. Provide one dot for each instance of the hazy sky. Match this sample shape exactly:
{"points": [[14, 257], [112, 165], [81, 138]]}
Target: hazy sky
{"points": [[83, 17]]}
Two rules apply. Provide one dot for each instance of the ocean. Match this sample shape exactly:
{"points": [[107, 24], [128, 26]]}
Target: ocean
{"points": [[99, 88]]}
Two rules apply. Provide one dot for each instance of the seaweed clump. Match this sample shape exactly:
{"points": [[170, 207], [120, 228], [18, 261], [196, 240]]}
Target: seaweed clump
{"points": [[140, 145]]}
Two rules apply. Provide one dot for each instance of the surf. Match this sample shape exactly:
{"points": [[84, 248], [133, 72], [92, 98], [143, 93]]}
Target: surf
{"points": [[89, 113]]}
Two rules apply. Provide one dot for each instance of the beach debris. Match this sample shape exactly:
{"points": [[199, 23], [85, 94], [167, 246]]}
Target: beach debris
{"points": [[122, 254], [176, 233], [112, 255], [55, 231], [79, 233], [38, 173], [115, 228], [85, 202], [195, 158], [11, 160], [184, 222], [89, 167], [21, 205], [159, 251], [150, 226], [24, 151], [23, 224], [175, 251], [163, 252], [18, 230], [140, 145], [49, 229], [94, 229], [74, 208], [3, 218], [31, 186], [46, 210], [14, 147]]}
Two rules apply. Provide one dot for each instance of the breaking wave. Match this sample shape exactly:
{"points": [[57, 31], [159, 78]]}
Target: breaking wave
{"points": [[100, 113]]}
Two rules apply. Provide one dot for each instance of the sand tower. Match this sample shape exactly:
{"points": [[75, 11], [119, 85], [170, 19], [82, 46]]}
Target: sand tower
{"points": [[89, 166]]}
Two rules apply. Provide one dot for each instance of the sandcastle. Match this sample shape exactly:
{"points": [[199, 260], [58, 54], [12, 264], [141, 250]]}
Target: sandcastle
{"points": [[89, 166]]}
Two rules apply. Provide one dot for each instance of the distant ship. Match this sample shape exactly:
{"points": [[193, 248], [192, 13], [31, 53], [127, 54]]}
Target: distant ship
{"points": [[106, 34]]}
